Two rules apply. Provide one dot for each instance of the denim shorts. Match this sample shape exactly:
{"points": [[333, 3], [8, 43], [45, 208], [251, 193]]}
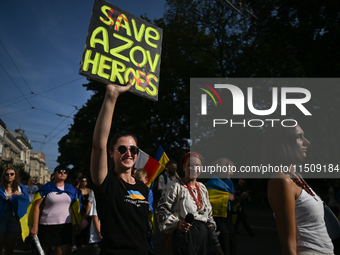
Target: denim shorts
{"points": [[9, 224]]}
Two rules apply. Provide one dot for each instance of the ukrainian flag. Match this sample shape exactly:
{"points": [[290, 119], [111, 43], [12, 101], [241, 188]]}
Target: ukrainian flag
{"points": [[219, 192], [136, 194], [163, 159], [19, 204], [52, 187], [152, 166]]}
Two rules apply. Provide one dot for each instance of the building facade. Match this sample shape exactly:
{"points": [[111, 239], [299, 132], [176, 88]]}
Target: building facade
{"points": [[11, 151], [25, 143], [15, 149], [38, 169]]}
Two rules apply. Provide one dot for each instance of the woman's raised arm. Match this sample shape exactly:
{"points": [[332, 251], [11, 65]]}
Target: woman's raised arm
{"points": [[99, 168]]}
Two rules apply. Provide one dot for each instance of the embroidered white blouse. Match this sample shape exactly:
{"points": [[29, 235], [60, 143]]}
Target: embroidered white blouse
{"points": [[176, 202]]}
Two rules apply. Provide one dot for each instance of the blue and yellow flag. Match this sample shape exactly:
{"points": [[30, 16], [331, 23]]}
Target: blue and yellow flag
{"points": [[161, 156], [219, 192], [153, 166], [135, 194], [52, 187], [163, 159], [19, 204]]}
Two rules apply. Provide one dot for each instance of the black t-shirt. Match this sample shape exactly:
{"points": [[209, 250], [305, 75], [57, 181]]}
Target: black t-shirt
{"points": [[84, 200], [239, 189], [225, 225], [123, 210]]}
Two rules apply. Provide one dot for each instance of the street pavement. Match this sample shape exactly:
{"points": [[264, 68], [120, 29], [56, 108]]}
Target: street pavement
{"points": [[265, 241]]}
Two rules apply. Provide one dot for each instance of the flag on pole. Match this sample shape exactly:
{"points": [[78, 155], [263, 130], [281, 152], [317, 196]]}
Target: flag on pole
{"points": [[161, 157], [150, 165]]}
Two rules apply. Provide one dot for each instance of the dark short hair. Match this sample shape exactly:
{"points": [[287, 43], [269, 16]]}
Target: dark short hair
{"points": [[116, 136], [60, 168], [84, 177], [170, 162]]}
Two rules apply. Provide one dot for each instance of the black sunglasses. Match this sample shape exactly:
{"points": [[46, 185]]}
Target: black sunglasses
{"points": [[62, 171], [122, 149], [83, 180], [10, 174]]}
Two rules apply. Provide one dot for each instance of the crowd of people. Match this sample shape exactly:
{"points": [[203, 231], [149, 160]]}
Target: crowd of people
{"points": [[58, 213], [116, 215]]}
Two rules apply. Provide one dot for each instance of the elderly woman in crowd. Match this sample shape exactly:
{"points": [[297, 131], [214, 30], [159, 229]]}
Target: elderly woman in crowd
{"points": [[185, 210]]}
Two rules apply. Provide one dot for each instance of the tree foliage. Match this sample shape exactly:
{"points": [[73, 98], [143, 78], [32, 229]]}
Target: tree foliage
{"points": [[292, 39], [211, 39]]}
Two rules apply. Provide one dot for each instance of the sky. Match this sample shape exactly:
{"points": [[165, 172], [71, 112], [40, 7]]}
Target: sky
{"points": [[41, 45]]}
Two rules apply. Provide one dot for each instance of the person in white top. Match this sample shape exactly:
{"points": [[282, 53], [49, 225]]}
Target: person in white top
{"points": [[169, 175], [185, 200], [95, 233], [298, 211], [31, 188], [54, 222]]}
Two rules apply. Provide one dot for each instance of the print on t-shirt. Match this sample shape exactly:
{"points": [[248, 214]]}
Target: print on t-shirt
{"points": [[136, 194], [136, 198]]}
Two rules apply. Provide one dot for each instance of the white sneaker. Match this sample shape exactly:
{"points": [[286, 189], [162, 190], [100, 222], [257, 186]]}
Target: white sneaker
{"points": [[74, 249], [96, 249]]}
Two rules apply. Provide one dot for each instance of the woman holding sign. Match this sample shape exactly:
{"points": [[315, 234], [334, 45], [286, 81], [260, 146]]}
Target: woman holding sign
{"points": [[122, 201]]}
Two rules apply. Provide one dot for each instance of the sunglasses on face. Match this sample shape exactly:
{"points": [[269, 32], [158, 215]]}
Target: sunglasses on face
{"points": [[83, 180], [9, 174], [62, 171], [122, 149]]}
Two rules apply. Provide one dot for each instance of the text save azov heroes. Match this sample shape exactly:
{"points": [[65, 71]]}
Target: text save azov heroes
{"points": [[118, 68]]}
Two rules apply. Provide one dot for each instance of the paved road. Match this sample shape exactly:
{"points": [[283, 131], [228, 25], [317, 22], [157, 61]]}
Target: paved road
{"points": [[265, 242], [88, 250]]}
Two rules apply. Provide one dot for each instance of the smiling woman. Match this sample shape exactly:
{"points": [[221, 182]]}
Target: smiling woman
{"points": [[117, 192]]}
